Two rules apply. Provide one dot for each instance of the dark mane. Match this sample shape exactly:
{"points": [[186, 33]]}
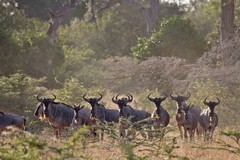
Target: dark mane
{"points": [[63, 104], [101, 105]]}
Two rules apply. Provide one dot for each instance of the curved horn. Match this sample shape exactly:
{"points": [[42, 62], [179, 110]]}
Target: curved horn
{"points": [[114, 100], [40, 100], [84, 98], [186, 97], [218, 101], [151, 99], [99, 97], [205, 101], [189, 95], [54, 97], [163, 99], [174, 98], [117, 96], [130, 97]]}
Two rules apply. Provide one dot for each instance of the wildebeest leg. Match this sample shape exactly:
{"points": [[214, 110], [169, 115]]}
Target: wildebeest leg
{"points": [[102, 133], [56, 132], [180, 130], [199, 131], [122, 131], [185, 134], [93, 131], [205, 134], [191, 133], [211, 130]]}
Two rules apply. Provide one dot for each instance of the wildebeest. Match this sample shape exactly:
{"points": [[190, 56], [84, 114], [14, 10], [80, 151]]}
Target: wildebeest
{"points": [[181, 104], [11, 119], [59, 115], [129, 113], [100, 113], [82, 115], [209, 118], [190, 122], [160, 115]]}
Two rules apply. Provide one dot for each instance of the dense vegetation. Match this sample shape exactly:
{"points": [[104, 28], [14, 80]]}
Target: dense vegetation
{"points": [[114, 55]]}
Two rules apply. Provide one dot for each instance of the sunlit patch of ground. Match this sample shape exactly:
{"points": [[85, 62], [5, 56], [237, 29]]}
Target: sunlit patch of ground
{"points": [[81, 147]]}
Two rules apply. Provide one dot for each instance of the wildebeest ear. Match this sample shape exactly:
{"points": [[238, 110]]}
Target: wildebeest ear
{"points": [[76, 105], [81, 107], [172, 97]]}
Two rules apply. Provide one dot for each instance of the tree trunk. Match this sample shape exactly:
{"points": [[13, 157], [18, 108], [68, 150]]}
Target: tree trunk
{"points": [[55, 18], [227, 19], [150, 14]]}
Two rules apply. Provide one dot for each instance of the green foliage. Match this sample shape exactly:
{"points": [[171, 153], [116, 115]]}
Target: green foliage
{"points": [[127, 149], [24, 46], [71, 92], [38, 9], [175, 36], [22, 146], [17, 93], [206, 17]]}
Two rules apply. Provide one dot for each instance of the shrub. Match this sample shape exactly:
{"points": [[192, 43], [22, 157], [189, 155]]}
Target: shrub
{"points": [[174, 36]]}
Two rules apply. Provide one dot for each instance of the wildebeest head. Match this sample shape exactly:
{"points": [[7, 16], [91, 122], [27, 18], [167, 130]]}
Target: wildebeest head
{"points": [[93, 102], [122, 102], [44, 103], [180, 99], [157, 100], [211, 105], [77, 108]]}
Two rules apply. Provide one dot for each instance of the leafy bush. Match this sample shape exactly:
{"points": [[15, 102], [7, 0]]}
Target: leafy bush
{"points": [[73, 90], [17, 92], [174, 36]]}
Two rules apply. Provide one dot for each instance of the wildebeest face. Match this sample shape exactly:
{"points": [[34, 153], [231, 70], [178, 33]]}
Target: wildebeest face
{"points": [[93, 101], [76, 110], [211, 105], [121, 103], [46, 103], [40, 110], [180, 99]]}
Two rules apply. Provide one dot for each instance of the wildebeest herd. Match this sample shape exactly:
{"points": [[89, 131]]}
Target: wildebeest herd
{"points": [[190, 119]]}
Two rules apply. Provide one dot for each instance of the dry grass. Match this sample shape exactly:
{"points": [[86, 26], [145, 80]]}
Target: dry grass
{"points": [[138, 148]]}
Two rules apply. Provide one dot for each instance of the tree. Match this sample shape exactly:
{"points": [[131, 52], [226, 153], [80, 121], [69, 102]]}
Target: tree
{"points": [[17, 92], [205, 16], [227, 19], [175, 36], [55, 18]]}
